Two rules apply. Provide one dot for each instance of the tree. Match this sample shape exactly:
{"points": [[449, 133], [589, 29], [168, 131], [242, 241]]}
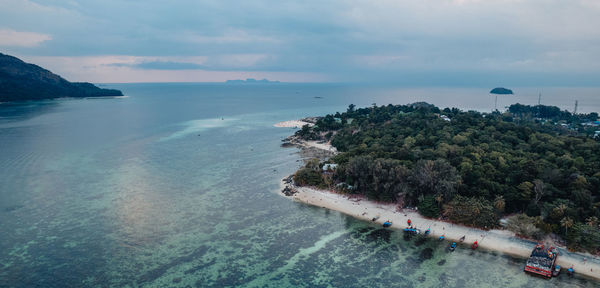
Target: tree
{"points": [[350, 108], [313, 164], [540, 190], [439, 198], [524, 225], [584, 237], [428, 207], [558, 211], [592, 221], [566, 222], [525, 188], [308, 177], [499, 203], [360, 172], [406, 152], [389, 180], [435, 177], [310, 174], [471, 211]]}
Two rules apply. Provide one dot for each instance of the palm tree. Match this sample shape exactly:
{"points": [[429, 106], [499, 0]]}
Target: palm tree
{"points": [[591, 221], [566, 222], [559, 211], [499, 203], [439, 198], [562, 208]]}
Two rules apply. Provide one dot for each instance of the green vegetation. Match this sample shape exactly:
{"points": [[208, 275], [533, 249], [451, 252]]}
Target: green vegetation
{"points": [[501, 90], [525, 226], [20, 81], [472, 167]]}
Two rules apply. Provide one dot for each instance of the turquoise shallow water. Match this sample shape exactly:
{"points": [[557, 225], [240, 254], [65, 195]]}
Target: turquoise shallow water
{"points": [[176, 186]]}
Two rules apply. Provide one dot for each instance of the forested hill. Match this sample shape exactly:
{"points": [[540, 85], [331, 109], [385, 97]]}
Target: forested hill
{"points": [[470, 167], [21, 81]]}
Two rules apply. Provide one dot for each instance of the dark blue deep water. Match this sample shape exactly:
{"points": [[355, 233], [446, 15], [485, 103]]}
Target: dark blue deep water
{"points": [[176, 185]]}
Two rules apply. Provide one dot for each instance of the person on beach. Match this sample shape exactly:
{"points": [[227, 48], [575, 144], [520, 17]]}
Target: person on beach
{"points": [[409, 222]]}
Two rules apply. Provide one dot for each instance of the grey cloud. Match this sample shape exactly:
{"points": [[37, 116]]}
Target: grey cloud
{"points": [[443, 41]]}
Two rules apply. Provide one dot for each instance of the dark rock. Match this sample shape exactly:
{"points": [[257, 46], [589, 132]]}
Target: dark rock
{"points": [[13, 208], [420, 240], [427, 253], [289, 191], [379, 234]]}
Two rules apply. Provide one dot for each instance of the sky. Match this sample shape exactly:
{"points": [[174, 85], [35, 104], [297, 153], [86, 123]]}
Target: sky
{"points": [[406, 42]]}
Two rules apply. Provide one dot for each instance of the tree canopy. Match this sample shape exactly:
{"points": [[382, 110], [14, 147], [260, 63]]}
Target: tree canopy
{"points": [[520, 161]]}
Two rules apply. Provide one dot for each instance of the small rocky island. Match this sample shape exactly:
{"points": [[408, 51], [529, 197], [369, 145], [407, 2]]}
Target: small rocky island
{"points": [[501, 90], [20, 81]]}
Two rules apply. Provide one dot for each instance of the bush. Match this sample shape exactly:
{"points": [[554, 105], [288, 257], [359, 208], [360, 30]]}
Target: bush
{"points": [[584, 237], [525, 226], [428, 207], [308, 177], [472, 211]]}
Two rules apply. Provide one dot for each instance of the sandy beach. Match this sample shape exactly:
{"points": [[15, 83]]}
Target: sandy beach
{"points": [[499, 240], [325, 146], [503, 241], [293, 124]]}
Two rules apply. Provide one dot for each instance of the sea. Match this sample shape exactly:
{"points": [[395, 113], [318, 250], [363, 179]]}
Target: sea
{"points": [[177, 185]]}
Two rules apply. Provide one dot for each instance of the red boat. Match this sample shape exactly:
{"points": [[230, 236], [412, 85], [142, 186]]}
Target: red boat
{"points": [[475, 245], [542, 261]]}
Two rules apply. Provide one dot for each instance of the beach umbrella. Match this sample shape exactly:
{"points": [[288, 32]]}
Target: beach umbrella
{"points": [[500, 91]]}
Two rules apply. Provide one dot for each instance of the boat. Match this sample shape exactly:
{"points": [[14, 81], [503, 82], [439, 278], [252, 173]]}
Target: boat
{"points": [[475, 245], [387, 224], [427, 231], [556, 271], [542, 261], [570, 271], [462, 239], [412, 231], [452, 246]]}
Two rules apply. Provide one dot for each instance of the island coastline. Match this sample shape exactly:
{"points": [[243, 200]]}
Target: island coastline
{"points": [[501, 240]]}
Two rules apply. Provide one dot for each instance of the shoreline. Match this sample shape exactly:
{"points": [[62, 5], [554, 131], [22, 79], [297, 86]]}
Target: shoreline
{"points": [[504, 241], [293, 124]]}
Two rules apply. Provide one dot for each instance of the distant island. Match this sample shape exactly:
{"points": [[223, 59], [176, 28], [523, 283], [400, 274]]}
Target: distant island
{"points": [[250, 81], [501, 90], [20, 81]]}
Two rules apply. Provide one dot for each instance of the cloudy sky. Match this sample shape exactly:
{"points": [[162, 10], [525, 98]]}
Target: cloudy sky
{"points": [[408, 42]]}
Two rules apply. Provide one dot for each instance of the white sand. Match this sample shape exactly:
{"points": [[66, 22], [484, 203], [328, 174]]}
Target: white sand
{"points": [[498, 240], [293, 124], [323, 146], [298, 124]]}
